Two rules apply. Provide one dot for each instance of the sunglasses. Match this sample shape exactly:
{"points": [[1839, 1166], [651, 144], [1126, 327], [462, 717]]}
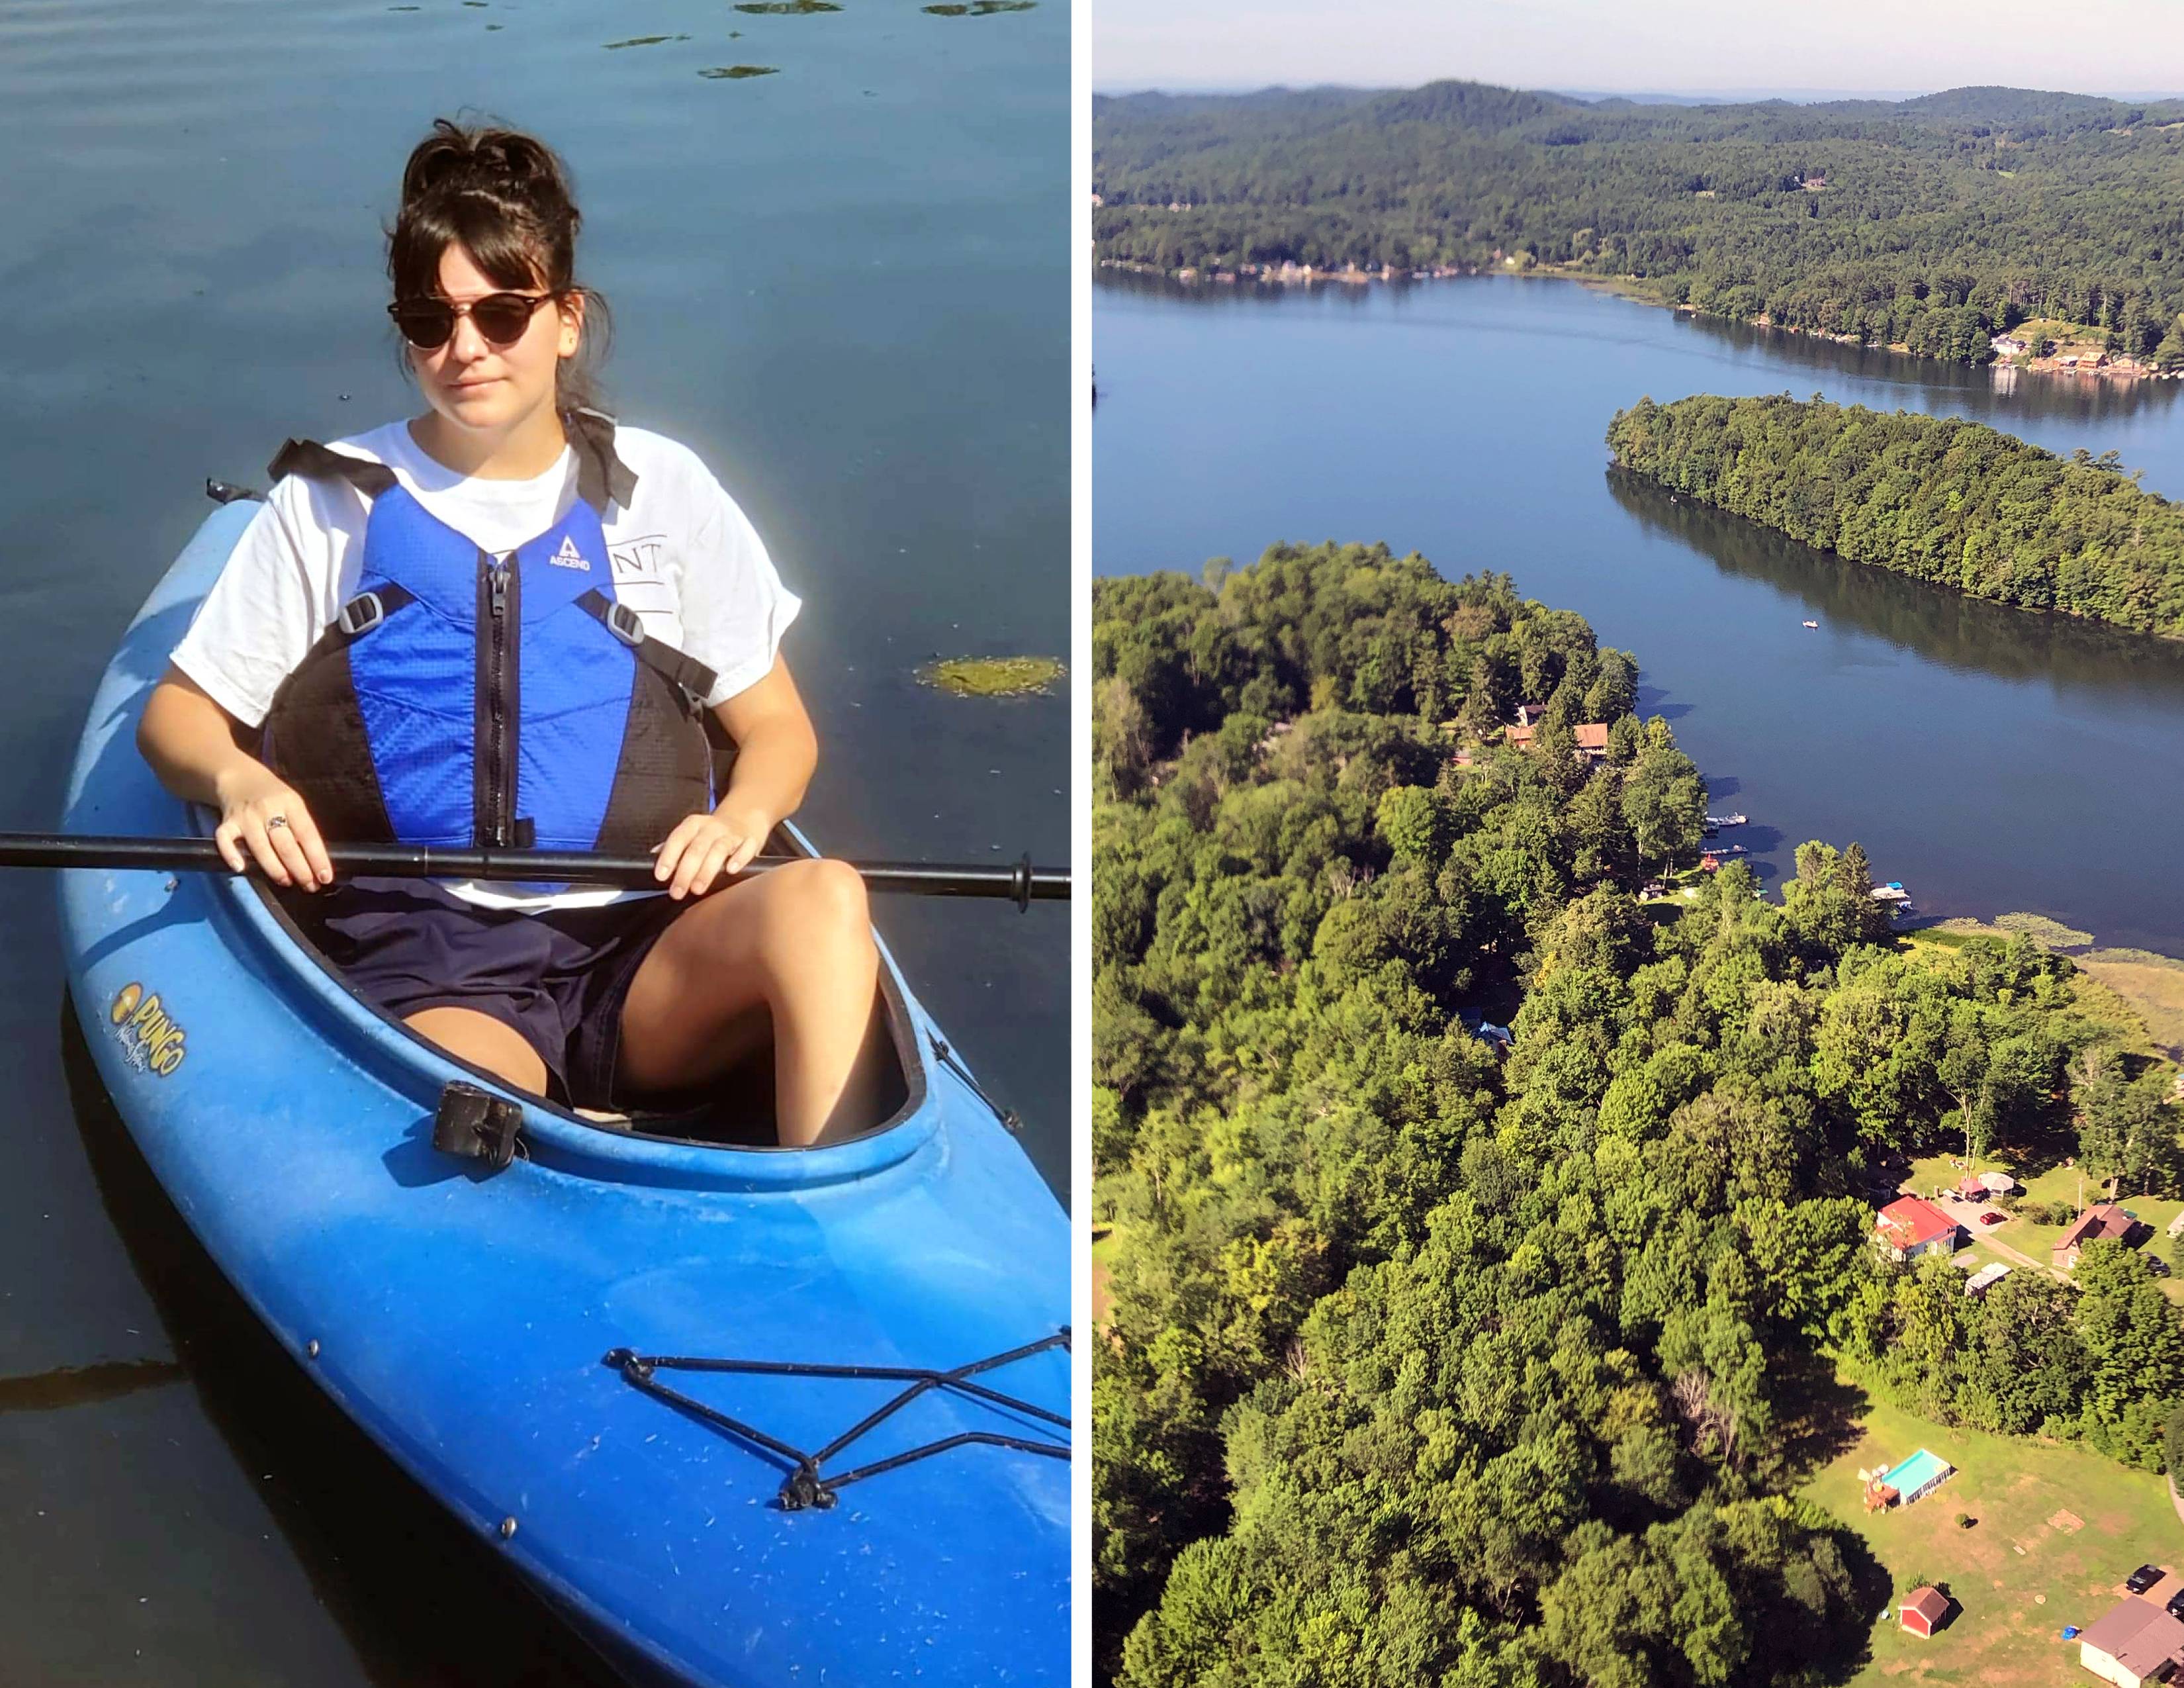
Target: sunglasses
{"points": [[501, 318]]}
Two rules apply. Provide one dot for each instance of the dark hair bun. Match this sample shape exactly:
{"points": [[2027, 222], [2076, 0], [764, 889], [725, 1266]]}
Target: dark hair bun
{"points": [[455, 160]]}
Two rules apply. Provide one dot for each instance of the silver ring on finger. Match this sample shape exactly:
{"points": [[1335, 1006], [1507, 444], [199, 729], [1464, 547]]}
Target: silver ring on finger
{"points": [[274, 823]]}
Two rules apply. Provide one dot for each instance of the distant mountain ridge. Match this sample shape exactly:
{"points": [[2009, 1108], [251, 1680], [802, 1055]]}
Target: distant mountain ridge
{"points": [[1930, 223]]}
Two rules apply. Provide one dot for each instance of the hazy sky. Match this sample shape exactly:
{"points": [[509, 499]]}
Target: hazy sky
{"points": [[1642, 46]]}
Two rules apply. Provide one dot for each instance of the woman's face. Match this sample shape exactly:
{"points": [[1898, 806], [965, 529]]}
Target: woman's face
{"points": [[483, 387]]}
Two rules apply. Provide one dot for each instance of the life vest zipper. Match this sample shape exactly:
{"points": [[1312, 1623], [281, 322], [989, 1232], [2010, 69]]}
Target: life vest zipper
{"points": [[498, 753]]}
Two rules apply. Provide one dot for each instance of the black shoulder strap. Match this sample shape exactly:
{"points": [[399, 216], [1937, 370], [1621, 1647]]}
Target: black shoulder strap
{"points": [[601, 475], [657, 654], [315, 462]]}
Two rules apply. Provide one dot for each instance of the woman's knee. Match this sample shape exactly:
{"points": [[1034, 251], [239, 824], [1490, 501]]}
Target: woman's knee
{"points": [[825, 897]]}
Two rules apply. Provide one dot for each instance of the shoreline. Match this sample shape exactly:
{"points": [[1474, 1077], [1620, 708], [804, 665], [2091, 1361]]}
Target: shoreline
{"points": [[2005, 370]]}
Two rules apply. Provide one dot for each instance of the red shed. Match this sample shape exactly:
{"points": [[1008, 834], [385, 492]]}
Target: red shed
{"points": [[1922, 1611]]}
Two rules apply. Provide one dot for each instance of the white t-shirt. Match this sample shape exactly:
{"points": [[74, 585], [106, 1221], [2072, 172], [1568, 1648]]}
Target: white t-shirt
{"points": [[684, 558]]}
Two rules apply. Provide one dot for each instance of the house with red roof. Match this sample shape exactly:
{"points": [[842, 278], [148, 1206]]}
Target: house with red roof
{"points": [[2104, 1222], [1911, 1226]]}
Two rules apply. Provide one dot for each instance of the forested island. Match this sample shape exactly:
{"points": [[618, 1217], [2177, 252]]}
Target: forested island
{"points": [[1931, 224], [1951, 502], [1424, 1361]]}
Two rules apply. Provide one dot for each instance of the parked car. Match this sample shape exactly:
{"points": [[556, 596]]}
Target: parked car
{"points": [[1993, 1217]]}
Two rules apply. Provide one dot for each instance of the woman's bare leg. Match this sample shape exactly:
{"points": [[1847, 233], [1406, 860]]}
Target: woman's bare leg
{"points": [[483, 1041], [795, 943]]}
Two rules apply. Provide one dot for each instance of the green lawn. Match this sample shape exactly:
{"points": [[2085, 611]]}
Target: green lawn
{"points": [[2012, 1603], [1103, 1254]]}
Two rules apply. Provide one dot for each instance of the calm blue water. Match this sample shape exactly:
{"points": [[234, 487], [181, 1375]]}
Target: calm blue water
{"points": [[844, 284], [1990, 759]]}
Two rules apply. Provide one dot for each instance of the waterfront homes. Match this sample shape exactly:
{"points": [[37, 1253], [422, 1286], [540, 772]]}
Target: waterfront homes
{"points": [[2141, 1638], [2103, 1222], [1591, 736], [1912, 1226]]}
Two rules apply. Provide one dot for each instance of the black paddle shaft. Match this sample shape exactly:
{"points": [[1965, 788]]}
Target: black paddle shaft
{"points": [[1019, 882]]}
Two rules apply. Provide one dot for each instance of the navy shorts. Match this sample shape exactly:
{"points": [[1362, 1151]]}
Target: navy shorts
{"points": [[558, 976]]}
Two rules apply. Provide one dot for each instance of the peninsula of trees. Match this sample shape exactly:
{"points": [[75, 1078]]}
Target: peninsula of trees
{"points": [[1931, 224], [1951, 502], [1423, 1363]]}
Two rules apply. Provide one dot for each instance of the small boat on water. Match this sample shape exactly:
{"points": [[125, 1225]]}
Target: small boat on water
{"points": [[1812, 624], [1725, 820], [745, 1415]]}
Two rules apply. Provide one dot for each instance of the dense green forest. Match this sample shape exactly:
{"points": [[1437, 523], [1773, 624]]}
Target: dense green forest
{"points": [[1943, 500], [1928, 224], [1425, 1364]]}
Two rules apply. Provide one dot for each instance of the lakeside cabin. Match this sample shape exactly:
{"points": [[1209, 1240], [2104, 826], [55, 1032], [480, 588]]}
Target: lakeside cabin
{"points": [[1912, 1226], [2141, 1638], [2103, 1222], [1591, 736]]}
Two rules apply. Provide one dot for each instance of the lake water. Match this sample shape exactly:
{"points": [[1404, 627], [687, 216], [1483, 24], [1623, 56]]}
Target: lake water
{"points": [[1990, 759], [845, 284]]}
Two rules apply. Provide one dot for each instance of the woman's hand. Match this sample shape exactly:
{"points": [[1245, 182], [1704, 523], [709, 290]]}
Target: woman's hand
{"points": [[261, 813], [704, 848]]}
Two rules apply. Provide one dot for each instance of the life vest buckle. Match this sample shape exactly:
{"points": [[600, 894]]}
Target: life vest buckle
{"points": [[361, 614], [623, 623]]}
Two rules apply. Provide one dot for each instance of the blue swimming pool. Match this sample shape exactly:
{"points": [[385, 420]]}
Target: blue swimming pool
{"points": [[1918, 1473]]}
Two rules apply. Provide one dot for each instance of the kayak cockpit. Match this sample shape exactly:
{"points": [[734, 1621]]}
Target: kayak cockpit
{"points": [[735, 1112]]}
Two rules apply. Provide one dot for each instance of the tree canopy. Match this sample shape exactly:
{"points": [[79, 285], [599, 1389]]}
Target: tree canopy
{"points": [[1427, 1362], [1929, 223], [1951, 502]]}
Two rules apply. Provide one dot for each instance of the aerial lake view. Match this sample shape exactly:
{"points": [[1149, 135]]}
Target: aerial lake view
{"points": [[1992, 759], [844, 283]]}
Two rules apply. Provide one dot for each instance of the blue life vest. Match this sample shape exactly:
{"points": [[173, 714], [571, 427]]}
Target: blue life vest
{"points": [[467, 700]]}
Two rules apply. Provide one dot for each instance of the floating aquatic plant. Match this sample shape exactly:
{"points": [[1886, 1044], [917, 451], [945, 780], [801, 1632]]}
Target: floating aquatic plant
{"points": [[786, 9], [980, 9], [643, 40], [2048, 934], [992, 677], [736, 73]]}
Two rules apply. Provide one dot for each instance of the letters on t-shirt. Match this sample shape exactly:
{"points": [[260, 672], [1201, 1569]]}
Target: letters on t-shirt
{"points": [[640, 581]]}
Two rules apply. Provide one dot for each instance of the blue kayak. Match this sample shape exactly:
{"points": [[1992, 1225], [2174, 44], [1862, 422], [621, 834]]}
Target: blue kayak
{"points": [[745, 1415]]}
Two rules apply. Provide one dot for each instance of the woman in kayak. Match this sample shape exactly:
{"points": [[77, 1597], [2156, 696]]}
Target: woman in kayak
{"points": [[495, 625]]}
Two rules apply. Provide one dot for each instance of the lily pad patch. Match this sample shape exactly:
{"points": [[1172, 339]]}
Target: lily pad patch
{"points": [[992, 677]]}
